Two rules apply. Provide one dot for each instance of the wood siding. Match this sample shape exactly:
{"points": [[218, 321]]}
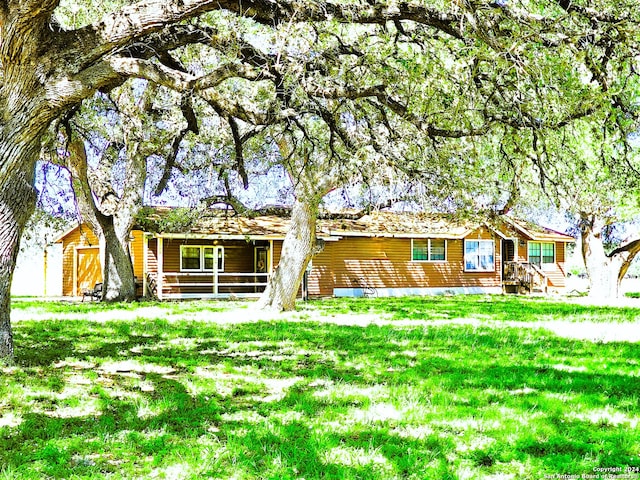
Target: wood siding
{"points": [[386, 263], [152, 257], [74, 256], [78, 238], [137, 253], [277, 252], [557, 276], [556, 273]]}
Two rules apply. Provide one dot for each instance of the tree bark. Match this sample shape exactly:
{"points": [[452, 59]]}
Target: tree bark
{"points": [[605, 270], [119, 279], [17, 202], [114, 224], [297, 250]]}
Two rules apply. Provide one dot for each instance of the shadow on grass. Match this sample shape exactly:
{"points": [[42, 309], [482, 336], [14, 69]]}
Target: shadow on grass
{"points": [[533, 394], [493, 307]]}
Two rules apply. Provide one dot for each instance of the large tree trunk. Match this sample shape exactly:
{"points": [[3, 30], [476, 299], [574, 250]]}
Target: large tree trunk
{"points": [[114, 224], [17, 202], [297, 249], [605, 270], [119, 279]]}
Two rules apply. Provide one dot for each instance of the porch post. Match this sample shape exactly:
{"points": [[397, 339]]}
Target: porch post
{"points": [[215, 275], [160, 266], [145, 262], [502, 260], [270, 270]]}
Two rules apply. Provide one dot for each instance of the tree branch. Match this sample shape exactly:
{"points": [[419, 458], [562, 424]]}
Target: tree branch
{"points": [[430, 129], [632, 248], [237, 141], [179, 80], [189, 115]]}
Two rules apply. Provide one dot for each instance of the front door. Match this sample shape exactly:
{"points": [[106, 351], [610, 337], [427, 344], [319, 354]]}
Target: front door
{"points": [[261, 267], [508, 252], [89, 271], [262, 259]]}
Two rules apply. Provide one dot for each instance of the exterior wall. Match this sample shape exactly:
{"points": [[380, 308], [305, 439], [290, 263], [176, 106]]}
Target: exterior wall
{"points": [[38, 271], [556, 273], [523, 253], [557, 276], [385, 264], [343, 267], [137, 253], [277, 252], [78, 238], [152, 257]]}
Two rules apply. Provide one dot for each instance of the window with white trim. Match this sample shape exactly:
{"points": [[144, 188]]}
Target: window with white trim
{"points": [[479, 256], [201, 258], [542, 254], [428, 250]]}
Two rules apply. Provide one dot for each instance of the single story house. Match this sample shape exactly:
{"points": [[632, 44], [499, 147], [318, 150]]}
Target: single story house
{"points": [[383, 253]]}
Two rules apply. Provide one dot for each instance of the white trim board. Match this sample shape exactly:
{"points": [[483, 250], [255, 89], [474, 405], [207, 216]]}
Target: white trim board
{"points": [[422, 291]]}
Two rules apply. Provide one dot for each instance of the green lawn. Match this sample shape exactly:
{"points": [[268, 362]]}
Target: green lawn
{"points": [[424, 388]]}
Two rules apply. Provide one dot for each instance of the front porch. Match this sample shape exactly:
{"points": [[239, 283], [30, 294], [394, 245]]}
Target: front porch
{"points": [[181, 285], [190, 267]]}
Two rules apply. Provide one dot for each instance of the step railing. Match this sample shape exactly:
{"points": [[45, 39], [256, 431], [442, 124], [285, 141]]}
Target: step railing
{"points": [[525, 274]]}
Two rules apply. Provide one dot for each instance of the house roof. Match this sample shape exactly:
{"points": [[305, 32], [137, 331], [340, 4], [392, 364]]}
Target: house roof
{"points": [[389, 224], [537, 232], [226, 224], [223, 223], [236, 225]]}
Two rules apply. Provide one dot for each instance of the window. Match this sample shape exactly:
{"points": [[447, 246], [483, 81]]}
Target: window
{"points": [[209, 257], [478, 256], [541, 254], [197, 258], [190, 258], [428, 250]]}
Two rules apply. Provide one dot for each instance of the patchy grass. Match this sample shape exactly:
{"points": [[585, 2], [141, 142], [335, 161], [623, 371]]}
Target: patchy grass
{"points": [[89, 307], [481, 307], [174, 397]]}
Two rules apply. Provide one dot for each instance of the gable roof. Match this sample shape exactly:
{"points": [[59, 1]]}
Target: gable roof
{"points": [[537, 232]]}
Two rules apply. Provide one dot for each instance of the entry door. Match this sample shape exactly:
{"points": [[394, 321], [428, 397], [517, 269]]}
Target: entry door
{"points": [[89, 271], [261, 257], [508, 252], [261, 267]]}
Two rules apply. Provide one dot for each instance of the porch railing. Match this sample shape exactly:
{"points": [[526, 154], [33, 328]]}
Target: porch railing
{"points": [[212, 284], [524, 274]]}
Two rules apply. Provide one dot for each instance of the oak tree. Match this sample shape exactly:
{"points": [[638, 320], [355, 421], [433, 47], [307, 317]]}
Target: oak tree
{"points": [[451, 71]]}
